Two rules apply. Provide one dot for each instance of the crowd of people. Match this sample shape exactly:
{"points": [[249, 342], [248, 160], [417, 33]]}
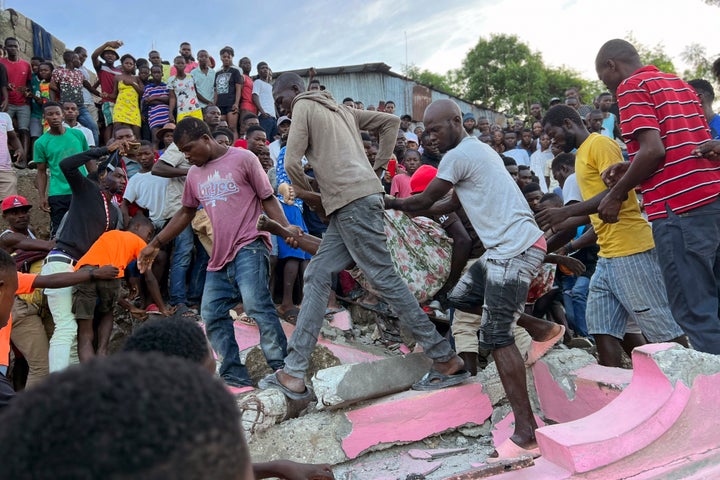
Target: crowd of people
{"points": [[217, 196]]}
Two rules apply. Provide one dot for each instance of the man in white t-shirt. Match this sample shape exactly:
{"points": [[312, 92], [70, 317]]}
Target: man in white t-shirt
{"points": [[70, 114], [146, 190], [8, 138], [563, 171], [539, 161], [496, 286], [263, 99]]}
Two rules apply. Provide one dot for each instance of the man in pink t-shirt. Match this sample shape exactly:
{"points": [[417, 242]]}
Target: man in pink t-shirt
{"points": [[19, 74], [230, 184]]}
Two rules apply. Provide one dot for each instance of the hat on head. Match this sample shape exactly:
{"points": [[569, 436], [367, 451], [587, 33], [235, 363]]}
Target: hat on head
{"points": [[110, 49], [411, 137], [468, 116], [422, 178], [14, 201], [168, 127], [554, 100], [406, 117], [282, 119]]}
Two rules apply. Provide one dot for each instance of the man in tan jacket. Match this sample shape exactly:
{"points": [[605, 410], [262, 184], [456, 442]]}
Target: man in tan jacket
{"points": [[328, 134]]}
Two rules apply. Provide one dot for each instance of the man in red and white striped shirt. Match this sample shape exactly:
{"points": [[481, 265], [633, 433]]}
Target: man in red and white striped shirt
{"points": [[662, 122]]}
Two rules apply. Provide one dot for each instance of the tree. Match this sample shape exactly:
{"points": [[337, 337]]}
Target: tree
{"points": [[653, 55], [700, 67], [503, 73], [446, 83]]}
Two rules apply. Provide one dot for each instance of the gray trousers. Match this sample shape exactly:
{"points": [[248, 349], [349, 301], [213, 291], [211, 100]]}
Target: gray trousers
{"points": [[356, 234]]}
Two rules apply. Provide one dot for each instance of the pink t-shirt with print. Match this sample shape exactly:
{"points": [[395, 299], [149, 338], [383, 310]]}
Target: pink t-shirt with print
{"points": [[230, 189]]}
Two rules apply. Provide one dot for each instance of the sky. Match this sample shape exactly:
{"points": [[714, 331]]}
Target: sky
{"points": [[325, 33]]}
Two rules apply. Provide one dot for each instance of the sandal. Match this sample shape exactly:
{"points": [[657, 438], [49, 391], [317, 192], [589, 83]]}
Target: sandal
{"points": [[434, 380]]}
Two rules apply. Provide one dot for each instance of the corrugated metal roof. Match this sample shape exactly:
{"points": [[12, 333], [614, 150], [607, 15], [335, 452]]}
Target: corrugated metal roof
{"points": [[371, 83]]}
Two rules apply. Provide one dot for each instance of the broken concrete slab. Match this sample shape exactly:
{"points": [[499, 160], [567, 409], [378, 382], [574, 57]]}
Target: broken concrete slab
{"points": [[491, 470], [571, 385], [410, 416], [347, 384], [403, 466], [433, 453], [248, 336], [660, 418]]}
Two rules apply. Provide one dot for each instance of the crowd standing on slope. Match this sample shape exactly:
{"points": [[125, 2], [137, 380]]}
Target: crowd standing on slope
{"points": [[193, 191]]}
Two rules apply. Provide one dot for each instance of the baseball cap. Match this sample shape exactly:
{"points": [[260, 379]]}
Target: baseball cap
{"points": [[14, 201], [422, 178], [468, 116], [282, 119]]}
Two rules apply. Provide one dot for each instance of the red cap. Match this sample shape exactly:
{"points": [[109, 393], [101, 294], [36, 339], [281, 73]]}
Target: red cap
{"points": [[422, 178], [14, 201]]}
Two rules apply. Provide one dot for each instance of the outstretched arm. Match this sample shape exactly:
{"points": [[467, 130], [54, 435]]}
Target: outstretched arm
{"points": [[417, 203], [68, 279]]}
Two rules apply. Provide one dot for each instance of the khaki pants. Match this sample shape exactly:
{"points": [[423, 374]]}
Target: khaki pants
{"points": [[29, 336], [8, 184]]}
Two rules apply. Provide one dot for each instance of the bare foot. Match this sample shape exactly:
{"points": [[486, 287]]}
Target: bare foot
{"points": [[291, 383], [450, 367]]}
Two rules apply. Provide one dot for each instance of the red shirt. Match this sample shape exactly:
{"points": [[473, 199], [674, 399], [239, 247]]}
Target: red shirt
{"points": [[19, 74], [650, 99]]}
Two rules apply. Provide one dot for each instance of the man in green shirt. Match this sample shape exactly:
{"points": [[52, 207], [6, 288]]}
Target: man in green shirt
{"points": [[53, 146]]}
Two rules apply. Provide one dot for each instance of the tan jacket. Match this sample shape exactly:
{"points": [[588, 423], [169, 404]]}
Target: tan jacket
{"points": [[328, 134]]}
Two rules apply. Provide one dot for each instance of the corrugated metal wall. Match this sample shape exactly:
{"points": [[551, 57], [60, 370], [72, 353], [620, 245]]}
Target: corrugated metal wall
{"points": [[371, 88]]}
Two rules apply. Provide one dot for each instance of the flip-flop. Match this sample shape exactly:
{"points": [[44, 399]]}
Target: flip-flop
{"points": [[271, 381], [509, 450], [434, 380], [290, 315], [152, 309], [538, 349]]}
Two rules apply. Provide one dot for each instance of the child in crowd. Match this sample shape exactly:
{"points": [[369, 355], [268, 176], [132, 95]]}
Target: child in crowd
{"points": [[40, 96], [126, 92], [156, 99], [182, 93], [118, 248], [400, 186], [228, 88]]}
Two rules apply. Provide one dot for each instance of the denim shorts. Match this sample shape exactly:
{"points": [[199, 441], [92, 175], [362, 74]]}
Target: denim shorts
{"points": [[630, 287], [501, 287], [22, 113]]}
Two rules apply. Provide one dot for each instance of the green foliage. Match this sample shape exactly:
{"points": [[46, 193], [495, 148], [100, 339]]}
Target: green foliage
{"points": [[653, 55], [700, 66], [445, 83]]}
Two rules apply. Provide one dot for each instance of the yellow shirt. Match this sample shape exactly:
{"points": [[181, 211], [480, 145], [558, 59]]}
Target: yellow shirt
{"points": [[632, 233]]}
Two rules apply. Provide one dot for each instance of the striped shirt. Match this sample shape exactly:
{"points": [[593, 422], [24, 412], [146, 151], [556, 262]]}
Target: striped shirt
{"points": [[650, 99], [158, 114]]}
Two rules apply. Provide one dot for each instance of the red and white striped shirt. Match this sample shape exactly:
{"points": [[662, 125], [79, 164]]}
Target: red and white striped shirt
{"points": [[650, 99]]}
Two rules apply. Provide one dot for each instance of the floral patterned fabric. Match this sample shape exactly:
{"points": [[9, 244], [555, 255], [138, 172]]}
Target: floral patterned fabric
{"points": [[420, 251], [542, 283]]}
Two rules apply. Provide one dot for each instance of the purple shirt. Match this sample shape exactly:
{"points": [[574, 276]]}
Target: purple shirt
{"points": [[230, 189]]}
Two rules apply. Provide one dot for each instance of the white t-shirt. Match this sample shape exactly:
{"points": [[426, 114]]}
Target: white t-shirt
{"points": [[520, 156], [492, 201], [264, 91], [538, 165], [176, 185], [148, 191], [86, 131], [5, 127], [571, 190]]}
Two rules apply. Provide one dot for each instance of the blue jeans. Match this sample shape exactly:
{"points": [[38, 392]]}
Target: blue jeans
{"points": [[182, 256], [575, 292], [356, 234], [269, 124], [245, 279], [86, 119], [688, 247]]}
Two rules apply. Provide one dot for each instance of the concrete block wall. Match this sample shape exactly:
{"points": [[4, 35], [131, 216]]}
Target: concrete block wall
{"points": [[15, 24]]}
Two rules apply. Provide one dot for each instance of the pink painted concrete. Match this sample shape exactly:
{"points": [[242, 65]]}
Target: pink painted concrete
{"points": [[595, 387], [542, 470], [341, 320], [429, 454], [505, 428], [412, 416], [643, 412], [239, 390], [248, 336]]}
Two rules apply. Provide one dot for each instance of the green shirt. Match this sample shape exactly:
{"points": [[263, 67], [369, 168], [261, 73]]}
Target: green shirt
{"points": [[51, 149]]}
